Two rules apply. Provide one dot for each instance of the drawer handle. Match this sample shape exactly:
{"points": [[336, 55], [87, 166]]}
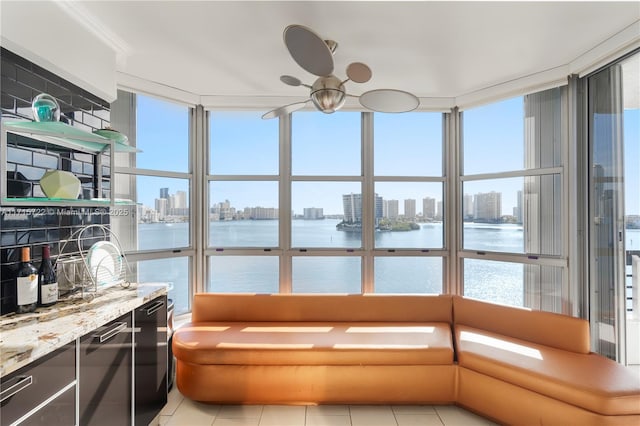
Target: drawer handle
{"points": [[20, 384], [115, 330], [155, 307]]}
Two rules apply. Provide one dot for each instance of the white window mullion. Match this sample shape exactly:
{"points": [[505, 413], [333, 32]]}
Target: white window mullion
{"points": [[286, 285], [199, 199], [453, 222], [368, 203]]}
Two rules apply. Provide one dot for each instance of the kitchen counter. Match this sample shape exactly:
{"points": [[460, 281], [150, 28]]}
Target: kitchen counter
{"points": [[27, 337]]}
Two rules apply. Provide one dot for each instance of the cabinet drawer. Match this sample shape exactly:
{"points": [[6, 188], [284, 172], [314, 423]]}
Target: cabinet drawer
{"points": [[59, 412], [24, 389], [106, 374]]}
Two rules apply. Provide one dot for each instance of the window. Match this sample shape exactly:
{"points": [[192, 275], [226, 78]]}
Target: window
{"points": [[326, 202], [418, 274], [243, 274], [326, 144], [512, 201], [242, 144], [156, 234], [243, 213], [516, 284], [327, 274], [410, 217], [303, 222], [318, 214]]}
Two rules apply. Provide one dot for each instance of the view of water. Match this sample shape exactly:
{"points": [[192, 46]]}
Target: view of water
{"points": [[497, 281]]}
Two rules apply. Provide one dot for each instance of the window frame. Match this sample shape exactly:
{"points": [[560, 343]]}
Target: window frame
{"points": [[560, 260], [130, 170]]}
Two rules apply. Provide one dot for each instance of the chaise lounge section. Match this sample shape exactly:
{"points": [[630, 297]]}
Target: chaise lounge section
{"points": [[531, 367], [513, 365]]}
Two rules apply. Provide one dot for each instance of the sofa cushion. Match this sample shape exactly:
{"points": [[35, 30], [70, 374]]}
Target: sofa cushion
{"points": [[209, 307], [314, 343], [545, 328], [589, 381]]}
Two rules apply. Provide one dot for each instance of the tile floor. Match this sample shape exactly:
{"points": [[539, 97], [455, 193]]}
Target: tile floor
{"points": [[184, 412]]}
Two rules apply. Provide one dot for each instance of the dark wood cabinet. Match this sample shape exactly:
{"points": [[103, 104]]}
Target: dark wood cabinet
{"points": [[151, 354], [115, 375], [51, 380], [60, 411], [105, 384]]}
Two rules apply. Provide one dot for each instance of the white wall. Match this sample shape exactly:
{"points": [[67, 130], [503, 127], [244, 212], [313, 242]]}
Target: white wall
{"points": [[45, 34]]}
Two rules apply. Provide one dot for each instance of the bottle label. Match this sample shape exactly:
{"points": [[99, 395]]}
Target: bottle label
{"points": [[49, 293], [27, 290]]}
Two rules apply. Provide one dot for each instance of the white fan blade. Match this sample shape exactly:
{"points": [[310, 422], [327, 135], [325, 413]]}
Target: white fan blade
{"points": [[308, 50], [389, 100], [358, 72], [284, 110]]}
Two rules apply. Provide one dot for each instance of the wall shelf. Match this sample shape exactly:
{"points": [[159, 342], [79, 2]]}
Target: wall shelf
{"points": [[57, 137]]}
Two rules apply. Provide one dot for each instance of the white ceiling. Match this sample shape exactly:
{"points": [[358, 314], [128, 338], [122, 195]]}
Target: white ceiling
{"points": [[432, 49]]}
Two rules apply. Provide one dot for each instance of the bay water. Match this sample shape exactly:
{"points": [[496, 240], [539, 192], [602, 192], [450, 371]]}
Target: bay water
{"points": [[498, 281]]}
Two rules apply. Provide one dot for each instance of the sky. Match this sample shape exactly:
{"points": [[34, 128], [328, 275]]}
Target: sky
{"points": [[329, 144]]}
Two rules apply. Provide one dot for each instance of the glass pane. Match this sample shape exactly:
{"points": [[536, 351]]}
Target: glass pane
{"points": [[162, 133], [409, 215], [519, 133], [325, 274], [606, 212], [493, 137], [531, 286], [517, 215], [408, 275], [318, 212], [326, 144], [162, 212], [243, 214], [243, 274], [174, 271], [408, 144], [234, 134]]}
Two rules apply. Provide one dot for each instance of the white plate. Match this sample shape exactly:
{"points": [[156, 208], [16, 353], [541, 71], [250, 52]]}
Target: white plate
{"points": [[105, 262]]}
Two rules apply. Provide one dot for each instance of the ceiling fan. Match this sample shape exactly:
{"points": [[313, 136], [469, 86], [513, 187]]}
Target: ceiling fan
{"points": [[328, 93]]}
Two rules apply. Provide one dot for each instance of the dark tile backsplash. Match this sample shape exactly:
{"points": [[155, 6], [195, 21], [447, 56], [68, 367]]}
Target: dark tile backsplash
{"points": [[36, 226]]}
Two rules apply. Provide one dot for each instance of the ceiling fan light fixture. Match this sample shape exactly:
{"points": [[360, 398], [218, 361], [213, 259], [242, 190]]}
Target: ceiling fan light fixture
{"points": [[328, 100], [328, 94]]}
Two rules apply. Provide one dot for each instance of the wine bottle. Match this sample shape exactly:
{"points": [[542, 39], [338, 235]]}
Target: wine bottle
{"points": [[27, 284], [47, 280]]}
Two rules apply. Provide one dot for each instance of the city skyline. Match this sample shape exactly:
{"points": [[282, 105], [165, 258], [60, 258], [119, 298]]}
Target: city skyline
{"points": [[486, 207]]}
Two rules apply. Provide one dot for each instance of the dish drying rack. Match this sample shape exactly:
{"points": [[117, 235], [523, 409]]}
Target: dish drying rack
{"points": [[91, 259]]}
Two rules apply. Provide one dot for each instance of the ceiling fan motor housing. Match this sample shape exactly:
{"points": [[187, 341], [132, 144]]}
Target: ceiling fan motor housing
{"points": [[328, 94]]}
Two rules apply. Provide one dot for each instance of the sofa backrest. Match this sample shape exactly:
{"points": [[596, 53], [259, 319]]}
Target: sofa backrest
{"points": [[545, 328], [208, 307]]}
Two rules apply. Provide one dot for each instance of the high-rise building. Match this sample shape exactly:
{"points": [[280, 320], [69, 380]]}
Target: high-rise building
{"points": [[517, 210], [488, 207], [162, 207], [352, 206], [313, 213], [410, 209], [439, 210], [164, 193], [468, 207], [379, 208], [429, 208], [390, 209]]}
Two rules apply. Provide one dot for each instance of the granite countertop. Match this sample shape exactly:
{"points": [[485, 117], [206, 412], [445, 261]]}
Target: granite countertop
{"points": [[27, 337]]}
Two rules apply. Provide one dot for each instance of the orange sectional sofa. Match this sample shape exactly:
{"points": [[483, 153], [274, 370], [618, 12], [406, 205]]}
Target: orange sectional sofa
{"points": [[512, 365]]}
